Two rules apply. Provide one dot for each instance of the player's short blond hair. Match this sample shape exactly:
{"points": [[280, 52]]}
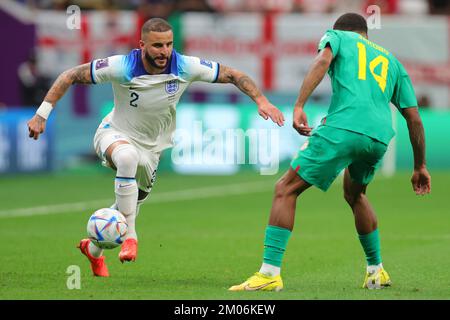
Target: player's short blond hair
{"points": [[155, 25]]}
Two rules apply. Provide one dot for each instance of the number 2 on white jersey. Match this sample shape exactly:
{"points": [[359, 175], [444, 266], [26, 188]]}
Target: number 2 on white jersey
{"points": [[134, 97], [362, 66]]}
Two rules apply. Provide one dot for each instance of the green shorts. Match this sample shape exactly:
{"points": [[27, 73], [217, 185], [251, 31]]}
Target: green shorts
{"points": [[330, 150]]}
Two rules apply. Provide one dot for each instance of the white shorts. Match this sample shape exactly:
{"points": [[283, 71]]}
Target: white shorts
{"points": [[148, 160]]}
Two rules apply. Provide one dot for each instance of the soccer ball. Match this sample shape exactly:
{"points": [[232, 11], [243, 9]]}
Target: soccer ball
{"points": [[107, 228]]}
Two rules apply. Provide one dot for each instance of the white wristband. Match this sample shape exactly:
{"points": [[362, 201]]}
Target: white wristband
{"points": [[44, 109]]}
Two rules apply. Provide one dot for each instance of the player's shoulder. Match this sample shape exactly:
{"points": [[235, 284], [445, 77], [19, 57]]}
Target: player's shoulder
{"points": [[113, 61], [185, 61], [338, 38], [108, 69], [340, 34], [195, 68], [399, 68], [329, 33]]}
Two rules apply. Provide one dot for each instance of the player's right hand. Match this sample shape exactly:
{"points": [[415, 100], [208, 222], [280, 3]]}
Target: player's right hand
{"points": [[268, 110], [301, 122], [421, 181], [36, 126]]}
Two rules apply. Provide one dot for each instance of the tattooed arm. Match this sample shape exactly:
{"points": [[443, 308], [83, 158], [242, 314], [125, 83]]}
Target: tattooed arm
{"points": [[244, 83], [421, 180], [80, 74]]}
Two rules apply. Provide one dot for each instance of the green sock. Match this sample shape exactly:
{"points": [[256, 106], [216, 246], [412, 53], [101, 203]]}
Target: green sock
{"points": [[371, 245], [275, 244]]}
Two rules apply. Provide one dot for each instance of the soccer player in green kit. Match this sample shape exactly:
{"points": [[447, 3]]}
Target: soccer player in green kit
{"points": [[353, 136]]}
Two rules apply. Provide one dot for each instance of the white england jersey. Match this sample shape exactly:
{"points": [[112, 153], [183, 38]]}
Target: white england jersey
{"points": [[145, 104]]}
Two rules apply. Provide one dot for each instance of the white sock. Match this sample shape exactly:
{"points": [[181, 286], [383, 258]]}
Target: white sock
{"points": [[126, 200], [138, 206], [374, 268], [94, 251], [269, 270], [126, 159], [131, 233], [131, 222]]}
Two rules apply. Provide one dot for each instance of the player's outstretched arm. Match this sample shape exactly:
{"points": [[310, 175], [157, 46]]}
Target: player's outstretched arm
{"points": [[314, 76], [421, 180], [79, 74], [244, 83]]}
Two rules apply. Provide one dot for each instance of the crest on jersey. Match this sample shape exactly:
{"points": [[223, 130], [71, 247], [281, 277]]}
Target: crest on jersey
{"points": [[172, 86]]}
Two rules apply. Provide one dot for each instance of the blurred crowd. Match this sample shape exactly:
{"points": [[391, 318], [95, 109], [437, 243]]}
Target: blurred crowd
{"points": [[164, 8], [34, 85]]}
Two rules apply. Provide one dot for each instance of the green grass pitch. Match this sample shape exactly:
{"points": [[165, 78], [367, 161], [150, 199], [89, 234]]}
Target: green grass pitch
{"points": [[198, 235]]}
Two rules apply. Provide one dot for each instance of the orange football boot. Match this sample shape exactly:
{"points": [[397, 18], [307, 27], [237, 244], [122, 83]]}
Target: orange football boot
{"points": [[128, 251], [98, 265]]}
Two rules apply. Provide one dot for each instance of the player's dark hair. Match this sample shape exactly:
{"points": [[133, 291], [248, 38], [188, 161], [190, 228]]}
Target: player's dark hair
{"points": [[351, 22], [155, 25]]}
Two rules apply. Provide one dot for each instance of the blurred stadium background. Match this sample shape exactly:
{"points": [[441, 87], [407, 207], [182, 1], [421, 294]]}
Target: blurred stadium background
{"points": [[274, 41]]}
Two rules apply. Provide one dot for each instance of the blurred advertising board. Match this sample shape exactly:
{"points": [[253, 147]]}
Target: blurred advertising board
{"points": [[223, 139], [18, 152]]}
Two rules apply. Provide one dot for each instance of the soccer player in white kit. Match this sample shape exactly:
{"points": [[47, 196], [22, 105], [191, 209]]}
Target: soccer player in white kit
{"points": [[147, 83]]}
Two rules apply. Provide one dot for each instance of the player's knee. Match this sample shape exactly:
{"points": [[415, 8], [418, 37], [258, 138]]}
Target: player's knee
{"points": [[352, 197], [348, 198], [125, 157], [282, 188]]}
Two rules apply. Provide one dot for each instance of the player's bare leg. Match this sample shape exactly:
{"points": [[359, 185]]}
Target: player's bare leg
{"points": [[125, 158], [287, 190], [282, 216], [281, 223], [355, 195], [367, 228]]}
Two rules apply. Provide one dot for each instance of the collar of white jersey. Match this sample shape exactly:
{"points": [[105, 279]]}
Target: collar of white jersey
{"points": [[135, 60]]}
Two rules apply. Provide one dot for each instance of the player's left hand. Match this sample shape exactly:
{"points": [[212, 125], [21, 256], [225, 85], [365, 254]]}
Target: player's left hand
{"points": [[268, 110], [421, 181], [301, 122]]}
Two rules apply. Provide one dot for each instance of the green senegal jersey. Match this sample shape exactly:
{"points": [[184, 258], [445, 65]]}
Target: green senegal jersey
{"points": [[365, 77]]}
